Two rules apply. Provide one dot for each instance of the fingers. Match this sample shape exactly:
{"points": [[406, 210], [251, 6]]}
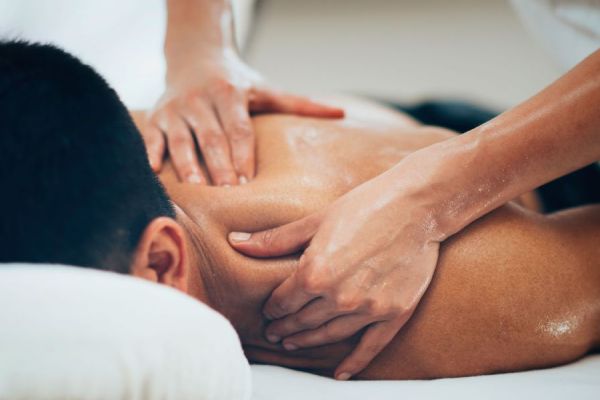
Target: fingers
{"points": [[273, 357], [270, 101], [286, 239], [155, 145], [223, 129], [181, 147], [315, 314], [331, 332], [372, 342], [287, 298], [213, 143], [290, 296], [233, 113]]}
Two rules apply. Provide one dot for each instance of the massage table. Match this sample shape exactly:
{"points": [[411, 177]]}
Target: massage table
{"points": [[579, 380]]}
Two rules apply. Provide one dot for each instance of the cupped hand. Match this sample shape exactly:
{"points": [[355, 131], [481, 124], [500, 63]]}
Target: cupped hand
{"points": [[209, 103], [369, 259]]}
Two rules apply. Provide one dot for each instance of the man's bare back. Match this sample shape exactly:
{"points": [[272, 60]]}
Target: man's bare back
{"points": [[515, 290]]}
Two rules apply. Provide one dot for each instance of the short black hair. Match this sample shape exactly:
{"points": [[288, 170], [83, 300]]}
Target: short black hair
{"points": [[76, 185]]}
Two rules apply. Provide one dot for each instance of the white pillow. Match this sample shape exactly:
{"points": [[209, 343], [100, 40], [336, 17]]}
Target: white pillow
{"points": [[74, 333]]}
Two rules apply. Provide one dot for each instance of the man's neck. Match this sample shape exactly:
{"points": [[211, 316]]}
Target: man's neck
{"points": [[215, 286], [235, 288], [198, 287]]}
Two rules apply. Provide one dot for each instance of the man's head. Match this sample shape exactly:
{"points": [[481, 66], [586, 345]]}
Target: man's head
{"points": [[76, 184]]}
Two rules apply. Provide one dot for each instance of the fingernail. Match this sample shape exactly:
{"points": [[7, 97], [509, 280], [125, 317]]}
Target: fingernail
{"points": [[239, 236], [243, 180], [226, 185], [194, 178], [290, 346], [273, 338], [343, 376]]}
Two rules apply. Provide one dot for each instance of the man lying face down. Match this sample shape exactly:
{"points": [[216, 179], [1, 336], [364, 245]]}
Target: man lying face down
{"points": [[516, 290]]}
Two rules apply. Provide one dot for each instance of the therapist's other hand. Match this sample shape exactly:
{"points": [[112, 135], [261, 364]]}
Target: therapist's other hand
{"points": [[209, 102], [370, 258]]}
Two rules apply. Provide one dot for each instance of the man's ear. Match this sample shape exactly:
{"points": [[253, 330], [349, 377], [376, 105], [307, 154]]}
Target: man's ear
{"points": [[161, 255]]}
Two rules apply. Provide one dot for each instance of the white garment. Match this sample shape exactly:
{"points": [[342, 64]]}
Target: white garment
{"points": [[568, 29], [122, 40]]}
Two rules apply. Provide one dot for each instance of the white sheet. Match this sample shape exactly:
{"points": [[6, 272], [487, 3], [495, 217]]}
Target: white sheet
{"points": [[580, 380]]}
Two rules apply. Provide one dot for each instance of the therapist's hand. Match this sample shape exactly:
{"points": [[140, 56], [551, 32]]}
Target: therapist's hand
{"points": [[209, 101], [369, 260], [371, 255]]}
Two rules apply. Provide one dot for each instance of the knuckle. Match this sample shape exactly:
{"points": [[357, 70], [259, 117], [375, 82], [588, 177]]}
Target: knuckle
{"points": [[166, 111], [189, 97], [156, 119], [378, 307], [313, 264], [400, 309], [268, 237], [213, 139], [152, 114], [311, 282], [318, 262], [279, 308], [224, 86], [345, 301], [241, 132], [311, 276], [179, 140]]}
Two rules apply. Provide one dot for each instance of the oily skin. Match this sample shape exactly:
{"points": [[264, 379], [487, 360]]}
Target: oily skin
{"points": [[514, 291], [430, 195], [209, 94]]}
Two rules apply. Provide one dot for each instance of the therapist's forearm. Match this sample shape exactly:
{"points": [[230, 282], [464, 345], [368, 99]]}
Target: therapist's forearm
{"points": [[553, 133], [197, 30]]}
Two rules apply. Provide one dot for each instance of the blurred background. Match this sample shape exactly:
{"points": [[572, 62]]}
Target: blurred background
{"points": [[394, 49], [400, 49]]}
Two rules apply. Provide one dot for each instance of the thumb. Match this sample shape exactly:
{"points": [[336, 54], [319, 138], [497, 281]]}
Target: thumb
{"points": [[280, 241], [271, 101]]}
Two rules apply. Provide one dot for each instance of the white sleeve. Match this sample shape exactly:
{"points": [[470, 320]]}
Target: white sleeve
{"points": [[568, 29]]}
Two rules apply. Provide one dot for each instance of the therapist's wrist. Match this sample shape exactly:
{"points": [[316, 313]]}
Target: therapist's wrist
{"points": [[414, 189], [198, 30], [199, 61], [440, 182], [220, 66]]}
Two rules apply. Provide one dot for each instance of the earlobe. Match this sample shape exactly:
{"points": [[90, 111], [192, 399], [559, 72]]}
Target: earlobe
{"points": [[161, 254]]}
